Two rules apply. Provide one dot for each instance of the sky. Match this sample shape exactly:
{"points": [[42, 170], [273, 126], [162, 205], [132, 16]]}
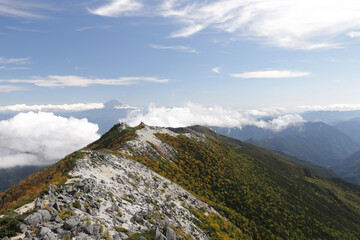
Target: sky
{"points": [[170, 63], [243, 54]]}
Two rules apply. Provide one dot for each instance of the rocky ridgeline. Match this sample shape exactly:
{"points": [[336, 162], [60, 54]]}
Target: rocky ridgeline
{"points": [[112, 197]]}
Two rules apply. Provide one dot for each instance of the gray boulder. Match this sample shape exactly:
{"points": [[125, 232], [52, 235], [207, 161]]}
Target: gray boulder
{"points": [[137, 218], [71, 223], [22, 227], [159, 235], [38, 217], [45, 215], [42, 231], [82, 236], [56, 206], [170, 233], [52, 190], [64, 199], [85, 185], [50, 236], [56, 219], [38, 203], [93, 230]]}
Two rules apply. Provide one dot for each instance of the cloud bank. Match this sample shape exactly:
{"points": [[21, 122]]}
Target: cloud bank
{"points": [[333, 107], [299, 24], [51, 107], [42, 138], [192, 114]]}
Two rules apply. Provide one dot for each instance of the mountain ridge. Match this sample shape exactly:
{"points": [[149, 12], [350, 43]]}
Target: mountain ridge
{"points": [[257, 194], [317, 142]]}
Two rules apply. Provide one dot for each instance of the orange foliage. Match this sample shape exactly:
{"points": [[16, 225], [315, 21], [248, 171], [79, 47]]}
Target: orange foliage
{"points": [[35, 183]]}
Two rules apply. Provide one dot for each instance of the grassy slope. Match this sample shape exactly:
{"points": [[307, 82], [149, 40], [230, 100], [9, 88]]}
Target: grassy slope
{"points": [[12, 176], [37, 182], [263, 194], [258, 191]]}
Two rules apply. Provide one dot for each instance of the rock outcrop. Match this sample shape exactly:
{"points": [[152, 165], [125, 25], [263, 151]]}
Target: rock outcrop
{"points": [[112, 196]]}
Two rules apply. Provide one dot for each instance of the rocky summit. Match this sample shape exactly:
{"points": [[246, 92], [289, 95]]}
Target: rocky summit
{"points": [[185, 183]]}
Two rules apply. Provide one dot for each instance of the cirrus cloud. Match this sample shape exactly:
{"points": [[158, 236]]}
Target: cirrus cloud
{"points": [[21, 9], [51, 107], [117, 8], [11, 88], [299, 24], [271, 74], [175, 48], [78, 81]]}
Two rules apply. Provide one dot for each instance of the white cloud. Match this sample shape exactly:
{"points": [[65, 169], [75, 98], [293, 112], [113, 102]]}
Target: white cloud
{"points": [[299, 24], [17, 61], [78, 81], [332, 107], [192, 114], [262, 112], [14, 63], [86, 28], [175, 48], [23, 29], [11, 88], [354, 34], [216, 69], [20, 9], [51, 107], [270, 74], [118, 8], [42, 138], [125, 106]]}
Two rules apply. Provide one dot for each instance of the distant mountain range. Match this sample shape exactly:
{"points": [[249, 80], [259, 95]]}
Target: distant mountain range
{"points": [[351, 128], [12, 176], [310, 143], [349, 168], [316, 142], [330, 117]]}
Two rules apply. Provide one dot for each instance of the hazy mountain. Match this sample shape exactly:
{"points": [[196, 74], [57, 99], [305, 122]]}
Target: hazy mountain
{"points": [[317, 142], [351, 128], [330, 117], [349, 168], [12, 176], [162, 183]]}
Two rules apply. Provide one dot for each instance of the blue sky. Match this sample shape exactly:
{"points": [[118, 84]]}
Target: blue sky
{"points": [[234, 53]]}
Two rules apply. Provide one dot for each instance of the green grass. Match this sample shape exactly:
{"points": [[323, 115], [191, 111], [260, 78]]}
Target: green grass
{"points": [[258, 191], [121, 229], [150, 235]]}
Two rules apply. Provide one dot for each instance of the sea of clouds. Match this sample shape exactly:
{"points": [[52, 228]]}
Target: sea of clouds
{"points": [[194, 114], [42, 138]]}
